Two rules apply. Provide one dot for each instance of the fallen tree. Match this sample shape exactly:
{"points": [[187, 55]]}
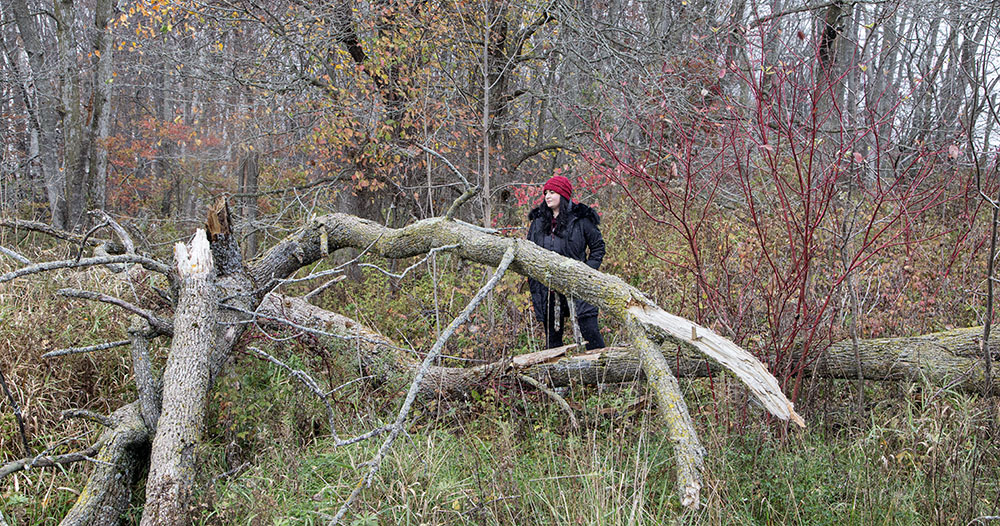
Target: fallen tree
{"points": [[659, 342], [241, 288], [948, 359]]}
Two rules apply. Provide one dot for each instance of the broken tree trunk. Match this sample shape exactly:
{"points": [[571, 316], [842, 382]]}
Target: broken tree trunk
{"points": [[186, 380], [564, 275], [949, 358], [201, 346]]}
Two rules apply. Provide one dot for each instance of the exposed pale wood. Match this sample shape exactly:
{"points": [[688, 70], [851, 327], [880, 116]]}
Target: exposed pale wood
{"points": [[522, 361], [732, 357]]}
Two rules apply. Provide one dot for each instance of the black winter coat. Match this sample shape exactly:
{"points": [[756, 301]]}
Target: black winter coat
{"points": [[579, 235]]}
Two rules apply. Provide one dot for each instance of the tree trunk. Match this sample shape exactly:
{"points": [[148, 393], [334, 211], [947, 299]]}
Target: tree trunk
{"points": [[100, 126], [249, 173], [46, 101], [74, 149], [186, 380], [950, 358]]}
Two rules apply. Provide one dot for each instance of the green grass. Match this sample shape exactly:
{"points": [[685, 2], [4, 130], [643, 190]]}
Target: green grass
{"points": [[502, 460], [915, 455]]}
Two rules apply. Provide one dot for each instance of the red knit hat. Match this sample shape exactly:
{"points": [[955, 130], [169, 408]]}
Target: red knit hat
{"points": [[559, 185]]}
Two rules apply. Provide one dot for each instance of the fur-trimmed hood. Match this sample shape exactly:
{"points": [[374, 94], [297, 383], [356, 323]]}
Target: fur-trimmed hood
{"points": [[578, 210]]}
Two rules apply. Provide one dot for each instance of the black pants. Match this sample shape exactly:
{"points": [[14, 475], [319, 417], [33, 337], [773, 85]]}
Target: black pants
{"points": [[588, 329]]}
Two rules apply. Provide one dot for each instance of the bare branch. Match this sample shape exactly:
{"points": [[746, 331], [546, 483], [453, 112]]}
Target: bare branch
{"points": [[404, 411], [553, 395], [469, 194], [15, 256], [89, 415], [411, 267], [81, 350], [17, 413], [159, 324], [307, 381], [318, 290], [43, 228], [149, 264], [49, 461]]}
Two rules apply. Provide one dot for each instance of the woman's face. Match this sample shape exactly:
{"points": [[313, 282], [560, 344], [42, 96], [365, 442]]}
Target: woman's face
{"points": [[552, 199]]}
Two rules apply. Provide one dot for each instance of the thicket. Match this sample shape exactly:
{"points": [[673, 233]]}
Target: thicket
{"points": [[789, 179]]}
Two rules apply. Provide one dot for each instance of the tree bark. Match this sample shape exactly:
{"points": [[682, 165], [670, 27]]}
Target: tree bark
{"points": [[186, 380], [46, 101], [100, 126], [109, 488], [249, 173]]}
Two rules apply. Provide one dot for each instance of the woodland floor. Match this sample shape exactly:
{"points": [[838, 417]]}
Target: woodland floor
{"points": [[916, 454]]}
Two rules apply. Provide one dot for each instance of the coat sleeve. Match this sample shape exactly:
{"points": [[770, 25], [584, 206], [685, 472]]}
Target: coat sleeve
{"points": [[538, 291], [595, 242]]}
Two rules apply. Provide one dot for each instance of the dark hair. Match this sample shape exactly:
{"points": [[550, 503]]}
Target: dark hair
{"points": [[556, 224]]}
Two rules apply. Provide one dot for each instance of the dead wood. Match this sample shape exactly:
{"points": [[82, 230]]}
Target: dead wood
{"points": [[124, 453], [186, 380]]}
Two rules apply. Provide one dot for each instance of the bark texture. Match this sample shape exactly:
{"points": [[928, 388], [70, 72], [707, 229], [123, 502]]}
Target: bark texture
{"points": [[562, 274], [186, 380], [122, 457]]}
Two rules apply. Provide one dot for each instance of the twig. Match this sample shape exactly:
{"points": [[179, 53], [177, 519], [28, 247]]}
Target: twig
{"points": [[984, 519], [119, 231], [17, 412], [411, 267], [294, 325], [315, 292], [397, 426], [306, 380], [229, 473], [36, 226], [446, 162], [15, 256], [86, 237], [49, 461], [149, 264], [553, 395], [89, 415], [81, 350], [470, 190]]}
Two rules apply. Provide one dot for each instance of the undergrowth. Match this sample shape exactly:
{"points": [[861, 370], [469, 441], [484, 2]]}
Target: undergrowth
{"points": [[918, 454]]}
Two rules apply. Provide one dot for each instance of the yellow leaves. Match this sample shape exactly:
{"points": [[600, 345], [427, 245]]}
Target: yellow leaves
{"points": [[219, 45]]}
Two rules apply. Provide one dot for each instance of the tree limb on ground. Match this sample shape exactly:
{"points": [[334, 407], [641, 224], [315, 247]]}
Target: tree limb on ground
{"points": [[243, 287]]}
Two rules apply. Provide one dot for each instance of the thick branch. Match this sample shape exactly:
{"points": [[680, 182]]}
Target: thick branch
{"points": [[81, 350], [567, 276], [123, 453], [47, 461]]}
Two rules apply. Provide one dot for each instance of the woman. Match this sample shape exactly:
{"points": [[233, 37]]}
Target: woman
{"points": [[569, 229]]}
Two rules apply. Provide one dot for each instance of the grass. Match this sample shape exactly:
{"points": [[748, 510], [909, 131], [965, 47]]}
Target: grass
{"points": [[496, 460], [916, 455]]}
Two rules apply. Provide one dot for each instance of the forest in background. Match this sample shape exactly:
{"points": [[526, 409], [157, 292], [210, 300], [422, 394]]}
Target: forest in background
{"points": [[790, 174]]}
